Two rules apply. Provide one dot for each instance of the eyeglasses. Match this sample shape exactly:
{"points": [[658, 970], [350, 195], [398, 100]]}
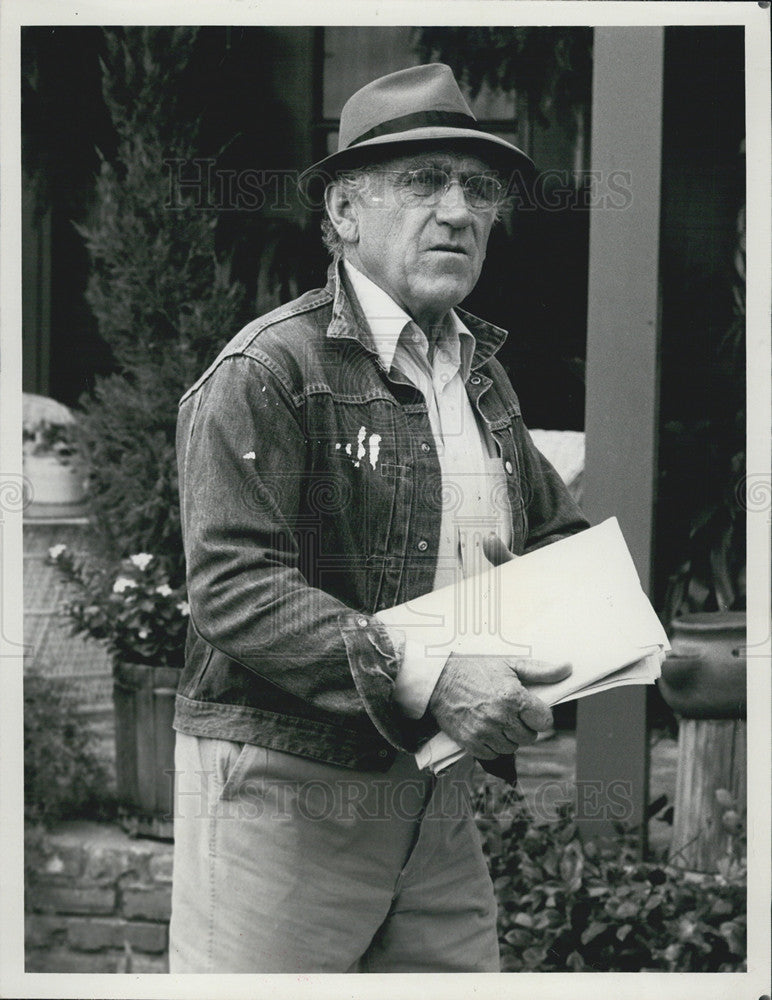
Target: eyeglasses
{"points": [[429, 184]]}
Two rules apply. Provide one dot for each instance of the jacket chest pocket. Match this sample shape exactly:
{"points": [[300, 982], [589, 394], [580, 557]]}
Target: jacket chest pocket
{"points": [[358, 504], [363, 539]]}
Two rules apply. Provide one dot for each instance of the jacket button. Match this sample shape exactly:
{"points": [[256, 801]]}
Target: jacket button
{"points": [[425, 446], [475, 380], [423, 545], [362, 622], [508, 466], [383, 753]]}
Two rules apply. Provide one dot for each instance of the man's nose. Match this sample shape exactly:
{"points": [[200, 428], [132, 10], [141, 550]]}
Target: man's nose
{"points": [[452, 206]]}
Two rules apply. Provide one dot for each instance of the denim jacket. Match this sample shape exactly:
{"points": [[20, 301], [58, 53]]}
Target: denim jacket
{"points": [[310, 494]]}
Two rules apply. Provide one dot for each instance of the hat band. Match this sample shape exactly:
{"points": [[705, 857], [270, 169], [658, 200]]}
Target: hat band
{"points": [[418, 119]]}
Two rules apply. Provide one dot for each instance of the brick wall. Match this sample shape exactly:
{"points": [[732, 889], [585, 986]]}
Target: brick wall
{"points": [[97, 901]]}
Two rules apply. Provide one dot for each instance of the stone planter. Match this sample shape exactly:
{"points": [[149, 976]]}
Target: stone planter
{"points": [[52, 483], [143, 697]]}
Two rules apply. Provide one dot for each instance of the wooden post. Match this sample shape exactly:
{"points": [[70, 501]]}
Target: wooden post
{"points": [[711, 756], [622, 384]]}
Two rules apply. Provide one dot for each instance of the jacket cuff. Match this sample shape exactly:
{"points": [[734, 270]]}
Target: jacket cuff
{"points": [[374, 664]]}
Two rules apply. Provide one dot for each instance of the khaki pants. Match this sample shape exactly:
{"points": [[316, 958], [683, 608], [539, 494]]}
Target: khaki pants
{"points": [[283, 864]]}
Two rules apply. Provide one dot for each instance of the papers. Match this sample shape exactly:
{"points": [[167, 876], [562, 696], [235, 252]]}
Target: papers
{"points": [[577, 600]]}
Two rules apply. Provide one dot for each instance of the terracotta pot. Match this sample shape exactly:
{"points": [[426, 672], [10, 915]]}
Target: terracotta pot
{"points": [[705, 675]]}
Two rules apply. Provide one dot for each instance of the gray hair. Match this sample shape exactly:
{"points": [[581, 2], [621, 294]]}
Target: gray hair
{"points": [[353, 182]]}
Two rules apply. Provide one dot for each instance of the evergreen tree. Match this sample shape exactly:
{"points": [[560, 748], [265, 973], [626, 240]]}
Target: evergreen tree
{"points": [[162, 295]]}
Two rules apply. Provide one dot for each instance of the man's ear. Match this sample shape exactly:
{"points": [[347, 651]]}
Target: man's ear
{"points": [[342, 212]]}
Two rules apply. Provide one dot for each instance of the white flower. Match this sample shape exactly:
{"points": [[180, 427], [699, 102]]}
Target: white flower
{"points": [[184, 608], [56, 550], [164, 590], [123, 583], [143, 633], [141, 560]]}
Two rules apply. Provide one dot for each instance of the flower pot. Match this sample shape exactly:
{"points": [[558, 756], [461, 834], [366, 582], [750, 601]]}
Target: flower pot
{"points": [[705, 676], [143, 698], [51, 482]]}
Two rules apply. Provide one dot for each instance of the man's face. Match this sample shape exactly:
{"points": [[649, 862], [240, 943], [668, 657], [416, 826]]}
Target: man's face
{"points": [[426, 253]]}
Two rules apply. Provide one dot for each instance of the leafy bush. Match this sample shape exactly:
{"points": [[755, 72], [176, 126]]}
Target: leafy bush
{"points": [[551, 66], [63, 775], [567, 907], [160, 290], [126, 435]]}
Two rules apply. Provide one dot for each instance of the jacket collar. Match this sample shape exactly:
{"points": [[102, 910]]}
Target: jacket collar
{"points": [[348, 320]]}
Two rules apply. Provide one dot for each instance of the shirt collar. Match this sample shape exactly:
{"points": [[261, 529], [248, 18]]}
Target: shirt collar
{"points": [[388, 322]]}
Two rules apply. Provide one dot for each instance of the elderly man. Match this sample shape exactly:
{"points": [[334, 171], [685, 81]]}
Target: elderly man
{"points": [[345, 453]]}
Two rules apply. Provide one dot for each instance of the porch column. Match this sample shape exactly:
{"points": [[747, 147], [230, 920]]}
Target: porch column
{"points": [[622, 386]]}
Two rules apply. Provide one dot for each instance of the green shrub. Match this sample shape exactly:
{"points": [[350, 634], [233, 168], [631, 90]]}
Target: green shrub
{"points": [[63, 775], [160, 290], [567, 907]]}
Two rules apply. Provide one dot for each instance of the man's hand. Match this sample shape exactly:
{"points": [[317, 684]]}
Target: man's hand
{"points": [[481, 702]]}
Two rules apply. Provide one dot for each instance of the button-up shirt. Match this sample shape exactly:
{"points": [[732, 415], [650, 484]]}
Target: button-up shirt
{"points": [[474, 491]]}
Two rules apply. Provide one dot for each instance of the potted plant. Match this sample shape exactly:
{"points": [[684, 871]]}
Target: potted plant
{"points": [[705, 599], [704, 682], [50, 454], [704, 679], [705, 675], [132, 608]]}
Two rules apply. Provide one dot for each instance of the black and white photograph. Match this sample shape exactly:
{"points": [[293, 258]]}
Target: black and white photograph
{"points": [[385, 499]]}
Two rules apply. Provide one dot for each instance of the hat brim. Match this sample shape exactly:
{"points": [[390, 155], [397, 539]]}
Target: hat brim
{"points": [[499, 153]]}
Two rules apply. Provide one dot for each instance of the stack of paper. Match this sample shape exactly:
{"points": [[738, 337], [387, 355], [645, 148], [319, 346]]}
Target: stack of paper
{"points": [[578, 600]]}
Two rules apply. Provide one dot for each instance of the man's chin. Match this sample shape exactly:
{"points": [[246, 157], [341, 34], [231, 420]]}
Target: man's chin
{"points": [[449, 285]]}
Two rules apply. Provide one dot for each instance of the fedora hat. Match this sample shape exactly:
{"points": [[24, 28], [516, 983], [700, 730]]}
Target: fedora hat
{"points": [[421, 105]]}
